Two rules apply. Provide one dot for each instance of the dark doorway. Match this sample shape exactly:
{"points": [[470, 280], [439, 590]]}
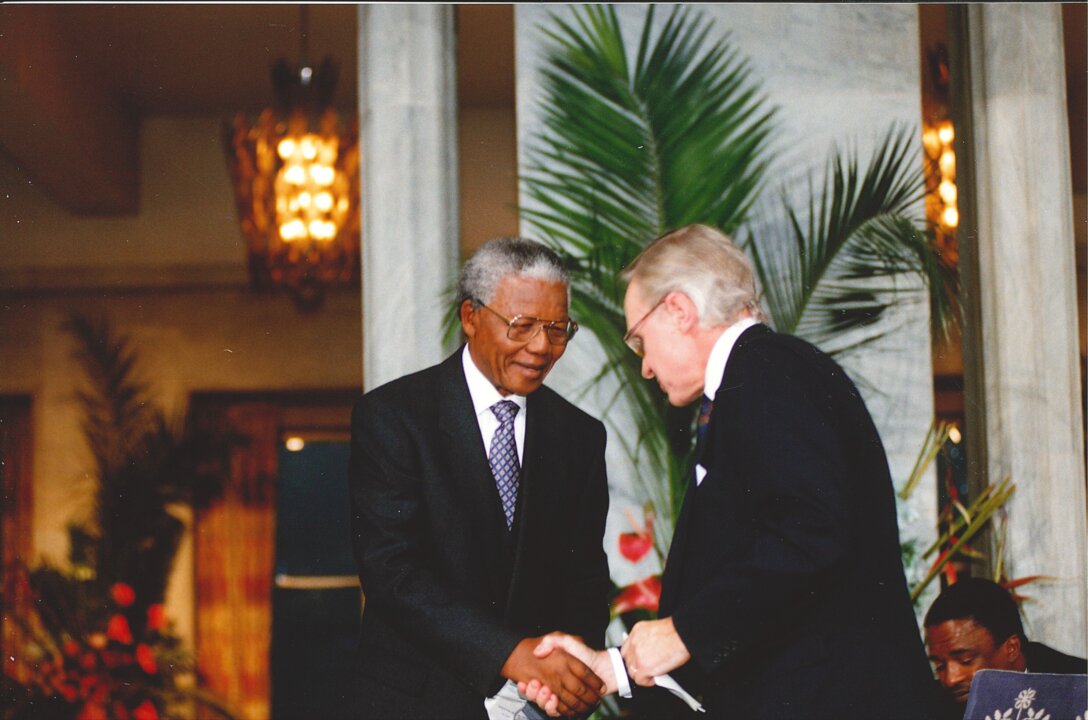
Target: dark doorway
{"points": [[316, 601]]}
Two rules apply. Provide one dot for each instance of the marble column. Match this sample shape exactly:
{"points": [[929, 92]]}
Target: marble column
{"points": [[408, 148], [1019, 236]]}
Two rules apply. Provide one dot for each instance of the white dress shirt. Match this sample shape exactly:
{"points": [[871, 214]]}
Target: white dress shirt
{"points": [[715, 367], [484, 395]]}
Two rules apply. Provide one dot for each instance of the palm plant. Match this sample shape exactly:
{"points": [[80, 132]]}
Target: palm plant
{"points": [[144, 464], [94, 638], [682, 134]]}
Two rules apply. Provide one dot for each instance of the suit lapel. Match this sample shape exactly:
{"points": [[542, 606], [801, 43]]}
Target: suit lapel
{"points": [[705, 455], [463, 448], [540, 471]]}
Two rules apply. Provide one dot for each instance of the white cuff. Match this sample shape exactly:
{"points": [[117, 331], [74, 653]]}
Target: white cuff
{"points": [[623, 685]]}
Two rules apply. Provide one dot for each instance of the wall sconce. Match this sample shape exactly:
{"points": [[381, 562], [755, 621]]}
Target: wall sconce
{"points": [[295, 173]]}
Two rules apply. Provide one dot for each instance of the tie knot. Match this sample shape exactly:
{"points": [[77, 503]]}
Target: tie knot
{"points": [[505, 410]]}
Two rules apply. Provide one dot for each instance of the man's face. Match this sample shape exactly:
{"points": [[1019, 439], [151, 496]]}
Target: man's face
{"points": [[960, 648], [515, 368], [669, 354]]}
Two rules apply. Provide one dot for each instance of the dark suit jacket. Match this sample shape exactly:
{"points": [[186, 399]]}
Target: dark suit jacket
{"points": [[1044, 659], [784, 577], [449, 591]]}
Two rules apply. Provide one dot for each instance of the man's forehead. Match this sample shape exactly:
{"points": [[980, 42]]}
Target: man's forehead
{"points": [[952, 634], [633, 296]]}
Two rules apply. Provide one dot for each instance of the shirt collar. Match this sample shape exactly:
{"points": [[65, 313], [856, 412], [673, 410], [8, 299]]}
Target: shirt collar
{"points": [[480, 389], [719, 354]]}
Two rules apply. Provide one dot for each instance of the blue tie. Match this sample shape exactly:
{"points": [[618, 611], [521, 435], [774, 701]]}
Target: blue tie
{"points": [[503, 458], [704, 419]]}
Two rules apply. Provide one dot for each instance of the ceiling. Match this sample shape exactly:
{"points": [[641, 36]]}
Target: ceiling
{"points": [[204, 59], [76, 79]]}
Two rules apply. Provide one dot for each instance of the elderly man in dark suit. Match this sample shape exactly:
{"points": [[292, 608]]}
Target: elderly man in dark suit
{"points": [[478, 500], [783, 595]]}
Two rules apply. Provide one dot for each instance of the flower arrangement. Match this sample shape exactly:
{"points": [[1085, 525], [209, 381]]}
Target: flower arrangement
{"points": [[92, 639], [125, 664]]}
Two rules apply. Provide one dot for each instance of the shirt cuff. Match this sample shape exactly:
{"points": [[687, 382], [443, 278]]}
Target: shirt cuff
{"points": [[623, 685]]}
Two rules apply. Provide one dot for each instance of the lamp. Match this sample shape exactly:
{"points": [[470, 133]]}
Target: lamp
{"points": [[939, 145], [295, 173]]}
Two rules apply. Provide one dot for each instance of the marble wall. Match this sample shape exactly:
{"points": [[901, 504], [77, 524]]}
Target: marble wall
{"points": [[1028, 367]]}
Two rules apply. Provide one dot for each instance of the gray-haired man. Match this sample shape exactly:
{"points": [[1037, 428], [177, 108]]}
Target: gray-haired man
{"points": [[478, 503]]}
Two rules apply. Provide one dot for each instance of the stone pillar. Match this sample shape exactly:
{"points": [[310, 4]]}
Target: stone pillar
{"points": [[1018, 238], [408, 149]]}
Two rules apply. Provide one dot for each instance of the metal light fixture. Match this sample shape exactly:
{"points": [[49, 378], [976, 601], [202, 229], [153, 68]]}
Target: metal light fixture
{"points": [[295, 173], [939, 145]]}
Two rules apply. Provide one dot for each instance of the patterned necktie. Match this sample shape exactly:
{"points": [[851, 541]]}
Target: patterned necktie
{"points": [[503, 458], [704, 419]]}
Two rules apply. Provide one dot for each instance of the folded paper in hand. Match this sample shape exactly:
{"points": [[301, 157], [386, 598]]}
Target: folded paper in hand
{"points": [[672, 686]]}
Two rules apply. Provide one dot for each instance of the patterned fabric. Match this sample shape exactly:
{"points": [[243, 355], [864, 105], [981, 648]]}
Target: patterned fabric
{"points": [[1007, 695], [503, 457], [704, 418]]}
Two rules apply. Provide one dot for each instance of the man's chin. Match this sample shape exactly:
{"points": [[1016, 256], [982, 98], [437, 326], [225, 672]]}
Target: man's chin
{"points": [[525, 386], [677, 399]]}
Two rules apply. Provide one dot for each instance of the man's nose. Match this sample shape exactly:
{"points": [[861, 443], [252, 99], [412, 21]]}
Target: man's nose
{"points": [[954, 674], [646, 371], [539, 343]]}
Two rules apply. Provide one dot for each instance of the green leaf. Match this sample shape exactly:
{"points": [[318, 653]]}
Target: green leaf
{"points": [[831, 272]]}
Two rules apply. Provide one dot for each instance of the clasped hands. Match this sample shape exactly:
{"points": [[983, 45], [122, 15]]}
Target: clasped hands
{"points": [[652, 648]]}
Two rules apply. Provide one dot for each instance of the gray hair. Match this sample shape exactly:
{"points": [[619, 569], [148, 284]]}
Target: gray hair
{"points": [[703, 263], [504, 257]]}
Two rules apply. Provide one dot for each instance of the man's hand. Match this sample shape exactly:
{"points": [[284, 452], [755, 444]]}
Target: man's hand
{"points": [[597, 660], [573, 687], [653, 648]]}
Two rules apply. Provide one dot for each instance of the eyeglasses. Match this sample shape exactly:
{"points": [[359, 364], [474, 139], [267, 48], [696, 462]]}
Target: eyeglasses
{"points": [[633, 341], [523, 328]]}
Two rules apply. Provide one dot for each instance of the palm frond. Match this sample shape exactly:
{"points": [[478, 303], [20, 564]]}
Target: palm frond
{"points": [[115, 403], [831, 274], [144, 465], [632, 145]]}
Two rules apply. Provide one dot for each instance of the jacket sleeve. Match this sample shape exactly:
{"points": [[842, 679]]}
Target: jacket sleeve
{"points": [[390, 545], [782, 445]]}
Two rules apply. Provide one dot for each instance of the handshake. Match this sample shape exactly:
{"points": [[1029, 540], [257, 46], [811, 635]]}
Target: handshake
{"points": [[565, 677]]}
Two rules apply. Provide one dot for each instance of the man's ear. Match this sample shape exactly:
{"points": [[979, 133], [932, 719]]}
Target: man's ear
{"points": [[682, 310], [1012, 650], [469, 317]]}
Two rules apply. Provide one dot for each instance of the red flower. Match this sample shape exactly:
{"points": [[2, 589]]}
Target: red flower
{"points": [[145, 711], [634, 546], [119, 630], [88, 660], [71, 648], [156, 617], [645, 594], [87, 683], [92, 711], [145, 657], [123, 594]]}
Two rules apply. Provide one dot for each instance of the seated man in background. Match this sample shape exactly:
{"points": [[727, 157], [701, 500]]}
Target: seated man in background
{"points": [[974, 625]]}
